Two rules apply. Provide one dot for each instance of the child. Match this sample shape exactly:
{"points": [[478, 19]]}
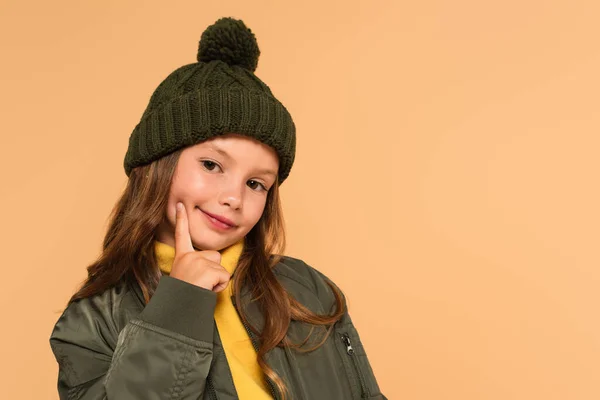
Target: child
{"points": [[191, 297]]}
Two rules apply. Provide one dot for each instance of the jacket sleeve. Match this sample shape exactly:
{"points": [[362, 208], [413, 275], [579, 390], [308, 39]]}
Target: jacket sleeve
{"points": [[164, 352], [346, 332]]}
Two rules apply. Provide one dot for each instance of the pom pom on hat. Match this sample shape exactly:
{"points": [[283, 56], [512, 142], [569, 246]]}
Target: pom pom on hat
{"points": [[205, 99], [230, 41]]}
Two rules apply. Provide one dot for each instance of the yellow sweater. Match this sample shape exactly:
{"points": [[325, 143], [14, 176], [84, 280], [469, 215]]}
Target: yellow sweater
{"points": [[241, 356]]}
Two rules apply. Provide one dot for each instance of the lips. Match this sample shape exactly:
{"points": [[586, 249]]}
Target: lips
{"points": [[220, 219]]}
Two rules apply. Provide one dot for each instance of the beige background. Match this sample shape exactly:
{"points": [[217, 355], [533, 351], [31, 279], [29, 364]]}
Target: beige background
{"points": [[446, 174]]}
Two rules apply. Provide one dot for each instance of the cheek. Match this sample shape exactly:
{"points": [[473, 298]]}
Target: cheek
{"points": [[255, 210], [194, 187]]}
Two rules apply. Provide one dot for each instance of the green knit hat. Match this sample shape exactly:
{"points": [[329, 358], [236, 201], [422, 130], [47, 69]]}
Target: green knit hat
{"points": [[218, 94]]}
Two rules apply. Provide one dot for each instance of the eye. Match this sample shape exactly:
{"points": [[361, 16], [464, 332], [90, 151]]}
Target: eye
{"points": [[209, 165], [259, 184]]}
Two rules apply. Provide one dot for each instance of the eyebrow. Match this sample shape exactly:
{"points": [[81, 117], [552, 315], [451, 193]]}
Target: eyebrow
{"points": [[224, 154]]}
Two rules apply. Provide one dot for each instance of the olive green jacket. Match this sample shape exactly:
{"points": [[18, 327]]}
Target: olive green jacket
{"points": [[112, 346]]}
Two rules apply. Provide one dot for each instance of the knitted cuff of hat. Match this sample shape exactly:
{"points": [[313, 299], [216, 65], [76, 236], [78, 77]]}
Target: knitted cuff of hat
{"points": [[217, 95]]}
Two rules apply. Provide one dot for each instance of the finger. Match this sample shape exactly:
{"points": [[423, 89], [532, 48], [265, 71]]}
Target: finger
{"points": [[220, 287], [211, 255], [223, 282], [183, 241]]}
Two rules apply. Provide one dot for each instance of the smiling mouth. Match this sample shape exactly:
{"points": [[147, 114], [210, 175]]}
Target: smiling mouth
{"points": [[217, 223]]}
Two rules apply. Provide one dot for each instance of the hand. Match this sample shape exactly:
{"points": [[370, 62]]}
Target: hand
{"points": [[200, 268]]}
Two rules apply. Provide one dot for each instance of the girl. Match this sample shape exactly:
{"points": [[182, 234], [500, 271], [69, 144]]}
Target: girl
{"points": [[191, 297]]}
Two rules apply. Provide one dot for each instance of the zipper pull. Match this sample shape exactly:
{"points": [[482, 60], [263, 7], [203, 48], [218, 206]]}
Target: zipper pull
{"points": [[346, 340]]}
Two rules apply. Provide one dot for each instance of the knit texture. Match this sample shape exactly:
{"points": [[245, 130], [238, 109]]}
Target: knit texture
{"points": [[248, 378], [219, 94]]}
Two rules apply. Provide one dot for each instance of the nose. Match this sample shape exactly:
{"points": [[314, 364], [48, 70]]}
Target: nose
{"points": [[232, 195]]}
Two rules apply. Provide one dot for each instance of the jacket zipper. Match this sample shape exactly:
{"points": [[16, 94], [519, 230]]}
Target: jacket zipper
{"points": [[251, 335], [350, 351]]}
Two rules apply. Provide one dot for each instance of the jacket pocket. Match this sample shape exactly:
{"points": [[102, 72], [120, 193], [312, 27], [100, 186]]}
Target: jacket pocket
{"points": [[361, 376]]}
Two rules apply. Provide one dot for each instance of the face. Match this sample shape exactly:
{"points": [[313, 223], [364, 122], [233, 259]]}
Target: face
{"points": [[226, 177]]}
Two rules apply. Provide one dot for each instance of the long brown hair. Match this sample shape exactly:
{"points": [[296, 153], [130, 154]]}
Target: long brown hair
{"points": [[128, 253]]}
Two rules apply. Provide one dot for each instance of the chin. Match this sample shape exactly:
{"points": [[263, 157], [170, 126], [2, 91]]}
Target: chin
{"points": [[217, 243]]}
